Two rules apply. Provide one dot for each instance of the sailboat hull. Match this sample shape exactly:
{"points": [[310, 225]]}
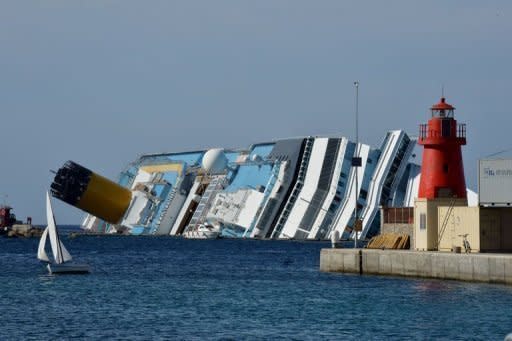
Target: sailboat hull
{"points": [[68, 269]]}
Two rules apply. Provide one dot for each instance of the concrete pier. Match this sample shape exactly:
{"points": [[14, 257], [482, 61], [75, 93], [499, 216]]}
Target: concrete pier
{"points": [[477, 267]]}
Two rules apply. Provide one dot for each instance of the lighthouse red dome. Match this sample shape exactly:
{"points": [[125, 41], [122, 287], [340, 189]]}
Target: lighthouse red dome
{"points": [[442, 105]]}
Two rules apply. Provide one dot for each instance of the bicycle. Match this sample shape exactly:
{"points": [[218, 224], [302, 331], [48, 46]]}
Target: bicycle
{"points": [[465, 243]]}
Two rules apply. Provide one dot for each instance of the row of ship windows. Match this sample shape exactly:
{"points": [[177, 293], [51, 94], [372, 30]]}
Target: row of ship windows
{"points": [[298, 186]]}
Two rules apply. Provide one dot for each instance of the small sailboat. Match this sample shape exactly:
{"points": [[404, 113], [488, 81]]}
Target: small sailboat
{"points": [[61, 255]]}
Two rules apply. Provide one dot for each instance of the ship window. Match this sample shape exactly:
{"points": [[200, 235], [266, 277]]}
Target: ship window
{"points": [[445, 168], [363, 194], [423, 221]]}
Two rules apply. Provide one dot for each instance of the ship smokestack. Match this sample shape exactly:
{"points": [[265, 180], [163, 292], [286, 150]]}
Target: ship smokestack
{"points": [[90, 192]]}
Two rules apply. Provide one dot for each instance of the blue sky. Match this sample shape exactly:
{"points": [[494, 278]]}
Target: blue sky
{"points": [[100, 82]]}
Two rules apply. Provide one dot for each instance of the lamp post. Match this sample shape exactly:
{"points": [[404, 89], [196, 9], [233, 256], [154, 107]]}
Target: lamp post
{"points": [[356, 163]]}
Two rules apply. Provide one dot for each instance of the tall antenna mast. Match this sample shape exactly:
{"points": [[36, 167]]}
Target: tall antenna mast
{"points": [[356, 163]]}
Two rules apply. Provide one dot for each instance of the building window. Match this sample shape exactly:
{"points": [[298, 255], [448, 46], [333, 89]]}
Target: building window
{"points": [[423, 221]]}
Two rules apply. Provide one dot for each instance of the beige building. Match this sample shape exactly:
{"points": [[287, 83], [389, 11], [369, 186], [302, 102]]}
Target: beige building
{"points": [[488, 229], [439, 225], [426, 232]]}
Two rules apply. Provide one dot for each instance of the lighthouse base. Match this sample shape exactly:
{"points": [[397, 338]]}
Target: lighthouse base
{"points": [[428, 229]]}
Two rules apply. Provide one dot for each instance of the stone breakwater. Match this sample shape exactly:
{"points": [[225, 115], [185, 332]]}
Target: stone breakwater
{"points": [[479, 267], [23, 231]]}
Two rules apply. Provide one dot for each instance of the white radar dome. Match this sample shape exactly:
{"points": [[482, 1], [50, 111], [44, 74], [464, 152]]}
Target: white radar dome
{"points": [[215, 161]]}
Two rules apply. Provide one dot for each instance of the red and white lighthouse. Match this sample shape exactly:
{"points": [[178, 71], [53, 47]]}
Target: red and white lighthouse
{"points": [[442, 170]]}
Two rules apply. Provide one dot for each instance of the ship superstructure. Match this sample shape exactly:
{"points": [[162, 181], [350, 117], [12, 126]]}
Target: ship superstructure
{"points": [[298, 188]]}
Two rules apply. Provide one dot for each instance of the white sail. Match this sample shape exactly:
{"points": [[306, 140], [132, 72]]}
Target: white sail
{"points": [[66, 256], [41, 253], [60, 253]]}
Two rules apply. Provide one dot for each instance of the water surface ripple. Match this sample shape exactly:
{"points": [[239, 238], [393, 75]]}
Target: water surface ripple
{"points": [[169, 288]]}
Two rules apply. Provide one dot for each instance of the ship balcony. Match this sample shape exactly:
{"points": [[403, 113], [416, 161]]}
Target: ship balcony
{"points": [[445, 135]]}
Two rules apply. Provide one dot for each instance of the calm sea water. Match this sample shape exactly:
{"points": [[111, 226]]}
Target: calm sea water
{"points": [[167, 288]]}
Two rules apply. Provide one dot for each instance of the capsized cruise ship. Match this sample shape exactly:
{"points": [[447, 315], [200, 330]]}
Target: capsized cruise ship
{"points": [[297, 188]]}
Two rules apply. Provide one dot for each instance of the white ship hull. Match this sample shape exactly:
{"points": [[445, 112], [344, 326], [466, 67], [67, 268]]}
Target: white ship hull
{"points": [[298, 188]]}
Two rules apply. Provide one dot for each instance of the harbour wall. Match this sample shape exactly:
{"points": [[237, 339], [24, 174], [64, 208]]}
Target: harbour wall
{"points": [[477, 267]]}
